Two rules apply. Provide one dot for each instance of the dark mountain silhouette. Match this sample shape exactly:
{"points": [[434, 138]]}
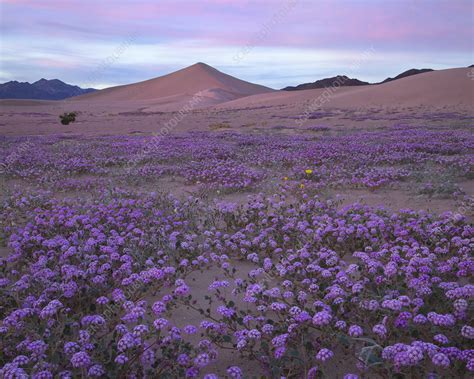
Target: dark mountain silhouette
{"points": [[344, 81], [43, 89], [339, 80], [413, 71]]}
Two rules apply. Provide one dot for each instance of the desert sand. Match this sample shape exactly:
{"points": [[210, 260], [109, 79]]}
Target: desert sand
{"points": [[216, 87], [434, 89]]}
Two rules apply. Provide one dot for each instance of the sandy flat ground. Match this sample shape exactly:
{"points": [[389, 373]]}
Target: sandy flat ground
{"points": [[128, 118]]}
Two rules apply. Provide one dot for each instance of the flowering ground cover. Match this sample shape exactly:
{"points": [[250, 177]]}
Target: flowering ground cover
{"points": [[98, 278], [232, 162]]}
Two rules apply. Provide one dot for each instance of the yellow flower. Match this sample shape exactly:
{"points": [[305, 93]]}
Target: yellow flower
{"points": [[285, 178], [308, 171], [301, 185]]}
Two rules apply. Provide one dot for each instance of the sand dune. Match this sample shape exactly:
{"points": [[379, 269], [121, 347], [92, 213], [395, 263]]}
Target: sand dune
{"points": [[452, 87], [214, 86]]}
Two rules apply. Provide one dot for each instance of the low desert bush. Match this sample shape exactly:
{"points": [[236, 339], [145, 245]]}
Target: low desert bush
{"points": [[67, 117]]}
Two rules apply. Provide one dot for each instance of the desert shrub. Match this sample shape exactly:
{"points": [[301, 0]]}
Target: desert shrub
{"points": [[67, 117]]}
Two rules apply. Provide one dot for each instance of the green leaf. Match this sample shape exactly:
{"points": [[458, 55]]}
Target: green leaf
{"points": [[294, 353], [368, 340]]}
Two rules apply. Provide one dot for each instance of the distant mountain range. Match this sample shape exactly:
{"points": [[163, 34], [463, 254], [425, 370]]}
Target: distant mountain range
{"points": [[43, 89], [344, 81], [413, 71], [340, 80]]}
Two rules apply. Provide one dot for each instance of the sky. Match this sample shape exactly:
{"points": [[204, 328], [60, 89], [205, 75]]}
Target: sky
{"points": [[102, 43]]}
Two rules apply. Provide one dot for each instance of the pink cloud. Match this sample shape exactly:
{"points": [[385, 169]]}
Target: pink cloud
{"points": [[439, 28], [410, 24], [56, 63]]}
